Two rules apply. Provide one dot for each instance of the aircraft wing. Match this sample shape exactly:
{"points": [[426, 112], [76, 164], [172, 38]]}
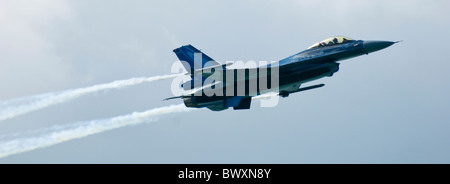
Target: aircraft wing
{"points": [[217, 73]]}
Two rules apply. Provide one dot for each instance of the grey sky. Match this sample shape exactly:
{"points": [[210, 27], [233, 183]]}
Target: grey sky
{"points": [[388, 107]]}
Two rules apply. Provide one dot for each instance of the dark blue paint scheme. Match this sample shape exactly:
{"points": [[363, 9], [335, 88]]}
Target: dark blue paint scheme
{"points": [[316, 62]]}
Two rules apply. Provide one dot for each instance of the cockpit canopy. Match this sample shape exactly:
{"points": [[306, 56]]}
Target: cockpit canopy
{"points": [[331, 41]]}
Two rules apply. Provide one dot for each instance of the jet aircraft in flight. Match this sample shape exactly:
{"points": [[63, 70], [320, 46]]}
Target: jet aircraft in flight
{"points": [[219, 86]]}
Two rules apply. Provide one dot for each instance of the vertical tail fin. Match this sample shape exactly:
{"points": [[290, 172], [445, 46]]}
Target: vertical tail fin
{"points": [[194, 57]]}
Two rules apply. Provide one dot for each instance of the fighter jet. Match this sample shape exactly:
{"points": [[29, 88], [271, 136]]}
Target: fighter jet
{"points": [[228, 89]]}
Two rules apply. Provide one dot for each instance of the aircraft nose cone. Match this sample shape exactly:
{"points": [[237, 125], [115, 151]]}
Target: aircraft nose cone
{"points": [[372, 46]]}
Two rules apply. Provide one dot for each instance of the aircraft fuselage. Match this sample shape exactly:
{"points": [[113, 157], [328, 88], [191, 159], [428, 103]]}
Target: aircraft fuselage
{"points": [[318, 61]]}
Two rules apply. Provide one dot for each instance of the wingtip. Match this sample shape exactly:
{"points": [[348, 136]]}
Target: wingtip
{"points": [[174, 97]]}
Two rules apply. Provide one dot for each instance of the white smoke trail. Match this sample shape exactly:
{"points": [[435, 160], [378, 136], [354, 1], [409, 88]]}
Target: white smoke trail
{"points": [[58, 134], [15, 107]]}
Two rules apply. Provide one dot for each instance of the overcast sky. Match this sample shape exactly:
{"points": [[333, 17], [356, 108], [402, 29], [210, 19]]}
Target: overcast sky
{"points": [[391, 106]]}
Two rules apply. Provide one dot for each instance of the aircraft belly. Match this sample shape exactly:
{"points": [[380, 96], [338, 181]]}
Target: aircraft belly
{"points": [[306, 74]]}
